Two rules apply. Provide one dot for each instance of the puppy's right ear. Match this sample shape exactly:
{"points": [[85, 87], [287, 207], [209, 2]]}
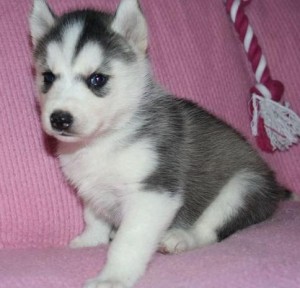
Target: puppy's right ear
{"points": [[41, 20]]}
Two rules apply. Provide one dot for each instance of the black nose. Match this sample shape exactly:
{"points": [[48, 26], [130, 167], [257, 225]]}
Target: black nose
{"points": [[61, 120]]}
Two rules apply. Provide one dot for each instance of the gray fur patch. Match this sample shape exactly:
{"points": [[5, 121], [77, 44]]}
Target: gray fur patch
{"points": [[198, 154]]}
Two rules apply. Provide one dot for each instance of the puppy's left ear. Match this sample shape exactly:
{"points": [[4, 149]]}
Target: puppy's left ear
{"points": [[41, 20], [131, 24]]}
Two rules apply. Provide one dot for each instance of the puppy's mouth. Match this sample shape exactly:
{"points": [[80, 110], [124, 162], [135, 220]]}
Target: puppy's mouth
{"points": [[65, 136]]}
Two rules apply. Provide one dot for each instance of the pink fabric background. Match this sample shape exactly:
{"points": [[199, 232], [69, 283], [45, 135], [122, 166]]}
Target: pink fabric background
{"points": [[195, 54], [248, 259]]}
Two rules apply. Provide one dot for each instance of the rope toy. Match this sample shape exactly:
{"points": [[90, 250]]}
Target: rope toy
{"points": [[274, 125]]}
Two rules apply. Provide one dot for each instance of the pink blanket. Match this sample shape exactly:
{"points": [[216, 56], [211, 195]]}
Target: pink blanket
{"points": [[263, 256]]}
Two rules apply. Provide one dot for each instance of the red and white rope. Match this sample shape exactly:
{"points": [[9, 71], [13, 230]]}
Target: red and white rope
{"points": [[274, 124]]}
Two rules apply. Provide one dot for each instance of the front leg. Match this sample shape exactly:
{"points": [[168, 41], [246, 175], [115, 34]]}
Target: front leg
{"points": [[146, 215], [96, 231]]}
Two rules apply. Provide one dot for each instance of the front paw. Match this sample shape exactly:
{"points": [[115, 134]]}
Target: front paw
{"points": [[85, 240], [97, 283]]}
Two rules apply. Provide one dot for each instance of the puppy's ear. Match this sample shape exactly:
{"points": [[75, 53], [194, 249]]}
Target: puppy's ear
{"points": [[131, 24], [41, 20]]}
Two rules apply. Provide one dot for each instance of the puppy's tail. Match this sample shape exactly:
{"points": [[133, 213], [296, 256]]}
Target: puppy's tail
{"points": [[289, 195]]}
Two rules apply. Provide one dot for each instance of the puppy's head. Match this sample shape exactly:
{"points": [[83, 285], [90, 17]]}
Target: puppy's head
{"points": [[91, 68]]}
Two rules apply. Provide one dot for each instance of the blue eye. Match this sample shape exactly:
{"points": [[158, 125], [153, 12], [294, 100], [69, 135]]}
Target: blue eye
{"points": [[97, 80], [49, 77]]}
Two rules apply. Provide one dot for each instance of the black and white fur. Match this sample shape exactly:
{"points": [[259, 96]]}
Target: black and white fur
{"points": [[158, 172]]}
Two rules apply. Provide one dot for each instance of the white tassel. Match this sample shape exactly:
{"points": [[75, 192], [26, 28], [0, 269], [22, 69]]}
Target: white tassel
{"points": [[281, 123]]}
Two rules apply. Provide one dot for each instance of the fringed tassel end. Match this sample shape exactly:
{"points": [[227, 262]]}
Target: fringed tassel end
{"points": [[281, 124]]}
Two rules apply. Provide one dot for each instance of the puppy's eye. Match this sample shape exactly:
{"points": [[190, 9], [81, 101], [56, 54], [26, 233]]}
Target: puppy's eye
{"points": [[49, 77], [97, 80]]}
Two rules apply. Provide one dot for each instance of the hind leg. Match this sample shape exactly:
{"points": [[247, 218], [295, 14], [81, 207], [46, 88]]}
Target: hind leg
{"points": [[215, 217], [176, 240], [225, 209]]}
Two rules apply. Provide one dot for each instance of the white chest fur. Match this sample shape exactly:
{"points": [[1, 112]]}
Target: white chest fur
{"points": [[106, 171]]}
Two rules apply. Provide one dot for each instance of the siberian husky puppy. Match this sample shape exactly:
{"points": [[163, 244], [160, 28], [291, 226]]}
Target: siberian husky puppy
{"points": [[160, 172]]}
